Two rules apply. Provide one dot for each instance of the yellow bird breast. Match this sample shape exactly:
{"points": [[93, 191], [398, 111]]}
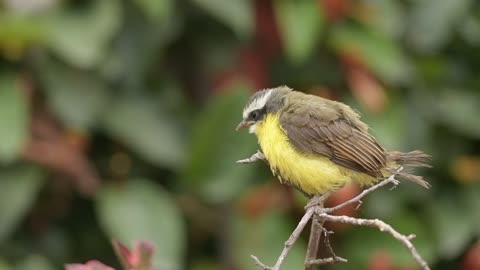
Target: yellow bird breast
{"points": [[313, 174]]}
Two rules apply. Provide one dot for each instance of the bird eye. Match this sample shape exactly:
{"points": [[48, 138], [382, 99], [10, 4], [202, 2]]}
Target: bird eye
{"points": [[254, 115]]}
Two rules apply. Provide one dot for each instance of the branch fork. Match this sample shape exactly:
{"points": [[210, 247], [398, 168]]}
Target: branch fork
{"points": [[319, 214]]}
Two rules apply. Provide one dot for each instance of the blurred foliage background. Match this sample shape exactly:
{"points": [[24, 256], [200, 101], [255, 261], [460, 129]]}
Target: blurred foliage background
{"points": [[117, 121]]}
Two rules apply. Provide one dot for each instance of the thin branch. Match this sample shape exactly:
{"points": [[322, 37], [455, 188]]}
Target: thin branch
{"points": [[383, 227], [359, 197], [289, 243], [315, 231], [254, 158], [315, 208], [313, 241], [330, 260], [259, 263], [327, 243]]}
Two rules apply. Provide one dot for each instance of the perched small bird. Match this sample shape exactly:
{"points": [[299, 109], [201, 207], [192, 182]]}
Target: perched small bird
{"points": [[319, 145]]}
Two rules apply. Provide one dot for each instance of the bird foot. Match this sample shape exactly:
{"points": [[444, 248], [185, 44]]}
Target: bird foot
{"points": [[317, 200], [395, 183], [255, 157]]}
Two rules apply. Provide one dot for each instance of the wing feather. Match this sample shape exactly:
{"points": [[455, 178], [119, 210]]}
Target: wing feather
{"points": [[371, 146], [336, 134], [354, 153]]}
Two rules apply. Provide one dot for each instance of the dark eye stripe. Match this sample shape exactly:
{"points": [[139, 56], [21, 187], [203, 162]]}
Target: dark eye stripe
{"points": [[256, 114]]}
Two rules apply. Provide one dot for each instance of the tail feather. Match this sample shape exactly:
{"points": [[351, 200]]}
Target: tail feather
{"points": [[410, 159]]}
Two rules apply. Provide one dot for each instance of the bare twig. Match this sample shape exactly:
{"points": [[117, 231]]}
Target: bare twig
{"points": [[259, 263], [383, 227], [327, 243], [313, 241], [289, 243], [330, 260], [254, 158], [315, 209], [359, 197], [315, 231]]}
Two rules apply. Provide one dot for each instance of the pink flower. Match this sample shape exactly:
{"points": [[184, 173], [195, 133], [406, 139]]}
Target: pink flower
{"points": [[90, 265], [139, 258]]}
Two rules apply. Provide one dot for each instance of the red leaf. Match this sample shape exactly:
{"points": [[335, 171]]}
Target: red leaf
{"points": [[254, 67], [90, 265], [139, 258], [250, 66], [336, 9], [262, 199], [471, 260], [344, 194], [380, 261], [365, 87], [266, 32], [221, 80]]}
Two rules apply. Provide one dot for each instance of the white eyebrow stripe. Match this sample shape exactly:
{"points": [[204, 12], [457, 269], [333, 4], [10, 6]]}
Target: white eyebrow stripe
{"points": [[257, 103]]}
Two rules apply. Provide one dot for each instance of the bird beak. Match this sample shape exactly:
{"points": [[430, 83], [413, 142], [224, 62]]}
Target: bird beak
{"points": [[244, 124]]}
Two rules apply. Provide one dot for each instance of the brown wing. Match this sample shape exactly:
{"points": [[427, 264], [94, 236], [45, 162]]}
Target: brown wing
{"points": [[335, 132]]}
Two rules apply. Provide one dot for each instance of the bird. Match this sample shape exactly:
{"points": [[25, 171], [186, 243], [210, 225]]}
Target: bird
{"points": [[318, 145]]}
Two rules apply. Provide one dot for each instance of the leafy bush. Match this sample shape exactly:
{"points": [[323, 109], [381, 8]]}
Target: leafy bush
{"points": [[117, 121]]}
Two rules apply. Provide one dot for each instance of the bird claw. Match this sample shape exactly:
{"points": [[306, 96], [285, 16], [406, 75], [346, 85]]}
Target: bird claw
{"points": [[255, 157], [395, 183], [314, 201], [317, 200]]}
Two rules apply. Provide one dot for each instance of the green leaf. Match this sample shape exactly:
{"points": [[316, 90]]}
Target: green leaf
{"points": [[207, 263], [14, 118], [384, 203], [211, 169], [156, 10], [445, 215], [433, 22], [141, 210], [362, 243], [35, 262], [470, 30], [473, 199], [454, 106], [237, 14], [4, 265], [388, 127], [300, 23], [459, 109], [387, 16], [264, 237], [17, 31], [379, 52], [18, 190], [140, 124], [76, 97], [81, 37]]}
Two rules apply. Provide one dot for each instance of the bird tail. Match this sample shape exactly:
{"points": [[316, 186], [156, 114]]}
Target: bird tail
{"points": [[411, 159]]}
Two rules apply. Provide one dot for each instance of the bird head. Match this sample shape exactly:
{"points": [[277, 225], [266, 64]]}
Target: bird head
{"points": [[262, 103]]}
